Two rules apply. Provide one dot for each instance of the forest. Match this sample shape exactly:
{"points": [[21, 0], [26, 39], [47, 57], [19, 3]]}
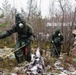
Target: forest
{"points": [[62, 16]]}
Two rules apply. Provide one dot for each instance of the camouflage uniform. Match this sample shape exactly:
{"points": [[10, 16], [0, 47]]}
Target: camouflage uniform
{"points": [[56, 41], [25, 33]]}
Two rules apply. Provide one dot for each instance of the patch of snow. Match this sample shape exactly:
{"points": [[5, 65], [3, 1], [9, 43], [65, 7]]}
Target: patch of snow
{"points": [[1, 50], [34, 70], [58, 62], [62, 73], [13, 74], [12, 56], [60, 68], [73, 72], [65, 72], [32, 57], [38, 52]]}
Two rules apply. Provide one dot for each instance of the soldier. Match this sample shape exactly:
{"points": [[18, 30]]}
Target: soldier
{"points": [[25, 33], [56, 40], [73, 50]]}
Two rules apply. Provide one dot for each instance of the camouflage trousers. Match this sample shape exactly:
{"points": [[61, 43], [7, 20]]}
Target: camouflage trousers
{"points": [[23, 54], [55, 51]]}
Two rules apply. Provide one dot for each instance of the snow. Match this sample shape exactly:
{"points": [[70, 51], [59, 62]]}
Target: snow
{"points": [[13, 74], [62, 73], [35, 57], [38, 52]]}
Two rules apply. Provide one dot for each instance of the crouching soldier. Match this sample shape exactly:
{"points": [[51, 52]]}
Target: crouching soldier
{"points": [[56, 41], [25, 33]]}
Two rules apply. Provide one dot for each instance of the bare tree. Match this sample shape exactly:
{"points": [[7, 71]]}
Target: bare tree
{"points": [[64, 16], [6, 8], [52, 13], [70, 34], [29, 8], [63, 5]]}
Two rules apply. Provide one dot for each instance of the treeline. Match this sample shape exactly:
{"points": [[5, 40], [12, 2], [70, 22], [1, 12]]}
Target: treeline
{"points": [[63, 15]]}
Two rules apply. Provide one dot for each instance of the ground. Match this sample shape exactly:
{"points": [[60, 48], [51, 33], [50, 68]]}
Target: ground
{"points": [[64, 65]]}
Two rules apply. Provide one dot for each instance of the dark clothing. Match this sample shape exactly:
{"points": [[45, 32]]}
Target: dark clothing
{"points": [[24, 53], [23, 33], [56, 40], [24, 36]]}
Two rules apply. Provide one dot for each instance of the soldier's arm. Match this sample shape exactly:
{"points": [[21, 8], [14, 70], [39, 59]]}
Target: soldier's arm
{"points": [[8, 32], [62, 39], [52, 38]]}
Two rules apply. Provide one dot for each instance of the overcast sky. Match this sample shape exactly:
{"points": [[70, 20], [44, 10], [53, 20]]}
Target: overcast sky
{"points": [[44, 4]]}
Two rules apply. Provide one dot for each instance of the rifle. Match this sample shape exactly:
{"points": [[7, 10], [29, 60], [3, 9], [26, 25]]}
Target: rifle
{"points": [[55, 48]]}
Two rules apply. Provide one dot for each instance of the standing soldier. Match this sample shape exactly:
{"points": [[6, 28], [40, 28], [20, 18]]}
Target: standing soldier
{"points": [[56, 40], [25, 33]]}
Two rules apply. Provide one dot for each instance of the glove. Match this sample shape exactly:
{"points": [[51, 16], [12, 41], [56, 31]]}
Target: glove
{"points": [[28, 41], [22, 43]]}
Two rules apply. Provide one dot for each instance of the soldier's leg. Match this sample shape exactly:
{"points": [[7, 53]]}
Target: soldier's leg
{"points": [[27, 53], [58, 50], [19, 53], [52, 51]]}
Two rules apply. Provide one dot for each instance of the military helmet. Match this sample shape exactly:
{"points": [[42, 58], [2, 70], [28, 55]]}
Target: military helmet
{"points": [[19, 18], [57, 31]]}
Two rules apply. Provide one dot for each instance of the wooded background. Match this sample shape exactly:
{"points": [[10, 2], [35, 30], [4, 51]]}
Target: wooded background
{"points": [[63, 18]]}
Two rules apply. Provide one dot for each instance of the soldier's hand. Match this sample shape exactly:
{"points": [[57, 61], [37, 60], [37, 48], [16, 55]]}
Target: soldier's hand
{"points": [[28, 41]]}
